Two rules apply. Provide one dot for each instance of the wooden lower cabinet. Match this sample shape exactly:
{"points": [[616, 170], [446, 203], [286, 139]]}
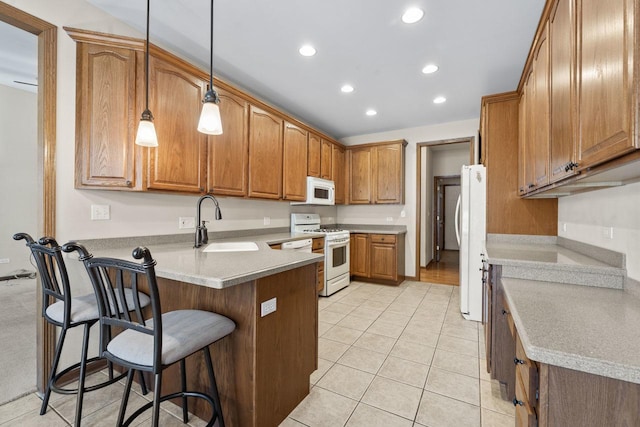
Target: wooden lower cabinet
{"points": [[318, 248], [547, 395], [378, 258]]}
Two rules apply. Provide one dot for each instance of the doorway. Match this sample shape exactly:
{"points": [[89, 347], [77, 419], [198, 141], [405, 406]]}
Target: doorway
{"points": [[45, 148], [438, 167]]}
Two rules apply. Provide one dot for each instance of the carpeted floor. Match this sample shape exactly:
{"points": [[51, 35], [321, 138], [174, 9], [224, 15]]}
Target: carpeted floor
{"points": [[18, 337]]}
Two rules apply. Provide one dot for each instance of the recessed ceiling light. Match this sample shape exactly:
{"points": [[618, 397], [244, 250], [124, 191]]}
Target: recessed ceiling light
{"points": [[347, 88], [439, 99], [412, 15], [371, 112], [307, 50], [431, 68]]}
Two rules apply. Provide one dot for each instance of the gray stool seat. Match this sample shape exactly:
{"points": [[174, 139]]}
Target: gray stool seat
{"points": [[183, 332], [85, 307]]}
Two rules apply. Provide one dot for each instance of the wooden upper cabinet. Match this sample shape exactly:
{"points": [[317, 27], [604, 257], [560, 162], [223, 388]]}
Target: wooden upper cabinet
{"points": [[325, 159], [562, 55], [265, 154], [106, 153], [314, 146], [376, 173], [338, 173], [178, 163], [606, 95], [388, 176], [228, 154], [522, 142], [540, 111], [360, 167], [294, 172]]}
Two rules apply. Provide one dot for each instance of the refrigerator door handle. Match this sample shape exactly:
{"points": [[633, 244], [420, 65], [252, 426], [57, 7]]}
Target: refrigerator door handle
{"points": [[457, 215]]}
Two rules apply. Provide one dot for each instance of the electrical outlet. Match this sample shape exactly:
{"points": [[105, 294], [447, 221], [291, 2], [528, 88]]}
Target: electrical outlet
{"points": [[267, 220], [5, 260], [268, 307], [186, 222], [100, 212], [607, 232], [564, 227], [403, 213]]}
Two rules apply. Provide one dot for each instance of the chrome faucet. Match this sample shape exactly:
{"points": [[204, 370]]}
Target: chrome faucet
{"points": [[202, 235]]}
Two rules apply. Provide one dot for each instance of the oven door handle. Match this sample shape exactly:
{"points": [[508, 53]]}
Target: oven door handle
{"points": [[334, 243]]}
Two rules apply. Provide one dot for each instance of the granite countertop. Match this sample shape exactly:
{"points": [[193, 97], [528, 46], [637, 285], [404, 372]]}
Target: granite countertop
{"points": [[374, 229], [178, 260], [558, 261], [589, 329]]}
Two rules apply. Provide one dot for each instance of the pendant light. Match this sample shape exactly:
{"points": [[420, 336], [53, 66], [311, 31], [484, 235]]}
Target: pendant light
{"points": [[146, 131], [210, 121]]}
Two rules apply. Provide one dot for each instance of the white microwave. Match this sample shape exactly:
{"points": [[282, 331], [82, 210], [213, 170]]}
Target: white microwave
{"points": [[319, 192]]}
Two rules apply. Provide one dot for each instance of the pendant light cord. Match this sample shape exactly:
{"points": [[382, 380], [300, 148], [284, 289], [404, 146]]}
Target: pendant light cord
{"points": [[146, 60], [211, 52]]}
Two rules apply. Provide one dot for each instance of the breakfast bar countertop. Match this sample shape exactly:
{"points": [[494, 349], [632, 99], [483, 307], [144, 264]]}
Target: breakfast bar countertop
{"points": [[179, 260]]}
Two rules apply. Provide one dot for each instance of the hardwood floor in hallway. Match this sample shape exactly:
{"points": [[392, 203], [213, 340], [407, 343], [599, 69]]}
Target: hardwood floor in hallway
{"points": [[444, 272]]}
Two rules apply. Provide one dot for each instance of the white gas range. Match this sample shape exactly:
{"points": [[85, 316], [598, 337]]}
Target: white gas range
{"points": [[336, 251]]}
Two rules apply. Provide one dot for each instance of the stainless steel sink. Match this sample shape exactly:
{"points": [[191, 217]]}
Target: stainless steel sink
{"points": [[231, 247]]}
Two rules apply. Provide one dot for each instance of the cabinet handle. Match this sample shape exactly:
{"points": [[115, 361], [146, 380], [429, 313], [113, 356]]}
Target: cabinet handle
{"points": [[517, 402], [570, 166], [504, 312], [517, 361]]}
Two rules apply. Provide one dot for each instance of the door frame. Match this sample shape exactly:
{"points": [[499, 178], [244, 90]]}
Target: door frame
{"points": [[46, 152], [441, 182], [419, 146]]}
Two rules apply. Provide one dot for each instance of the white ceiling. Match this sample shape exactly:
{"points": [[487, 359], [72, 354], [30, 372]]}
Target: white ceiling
{"points": [[480, 47]]}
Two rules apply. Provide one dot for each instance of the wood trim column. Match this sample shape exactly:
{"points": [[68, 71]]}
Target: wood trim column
{"points": [[47, 81]]}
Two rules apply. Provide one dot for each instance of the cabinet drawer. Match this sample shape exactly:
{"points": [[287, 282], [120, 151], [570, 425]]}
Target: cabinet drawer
{"points": [[317, 244], [383, 238], [320, 284], [527, 371], [525, 414]]}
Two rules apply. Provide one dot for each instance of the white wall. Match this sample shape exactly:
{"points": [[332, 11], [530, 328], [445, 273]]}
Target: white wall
{"points": [[373, 214], [587, 215], [18, 175]]}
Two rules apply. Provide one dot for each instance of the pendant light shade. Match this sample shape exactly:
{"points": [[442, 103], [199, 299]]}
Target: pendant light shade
{"points": [[146, 135], [210, 120]]}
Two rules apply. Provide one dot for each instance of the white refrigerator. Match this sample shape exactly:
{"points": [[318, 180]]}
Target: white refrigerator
{"points": [[471, 230]]}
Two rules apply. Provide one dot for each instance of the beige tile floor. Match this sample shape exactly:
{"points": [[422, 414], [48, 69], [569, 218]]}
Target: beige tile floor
{"points": [[388, 356]]}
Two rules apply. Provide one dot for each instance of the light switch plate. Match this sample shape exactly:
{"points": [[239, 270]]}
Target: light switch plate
{"points": [[268, 307], [100, 212]]}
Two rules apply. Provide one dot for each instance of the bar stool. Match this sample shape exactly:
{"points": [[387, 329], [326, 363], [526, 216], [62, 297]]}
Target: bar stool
{"points": [[61, 309], [153, 344]]}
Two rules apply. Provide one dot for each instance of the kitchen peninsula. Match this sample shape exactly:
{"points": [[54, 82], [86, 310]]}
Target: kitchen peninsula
{"points": [[263, 367]]}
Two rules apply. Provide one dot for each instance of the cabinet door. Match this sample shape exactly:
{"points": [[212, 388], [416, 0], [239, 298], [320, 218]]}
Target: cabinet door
{"points": [[388, 174], [325, 159], [606, 94], [338, 173], [522, 142], [265, 154], [360, 255], [294, 160], [313, 165], [562, 55], [384, 256], [229, 152], [540, 113], [105, 109], [178, 163], [360, 187]]}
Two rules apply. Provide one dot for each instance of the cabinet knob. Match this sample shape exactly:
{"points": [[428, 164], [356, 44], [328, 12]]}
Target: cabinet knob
{"points": [[570, 166], [128, 183], [504, 312], [517, 361], [517, 402], [532, 186]]}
